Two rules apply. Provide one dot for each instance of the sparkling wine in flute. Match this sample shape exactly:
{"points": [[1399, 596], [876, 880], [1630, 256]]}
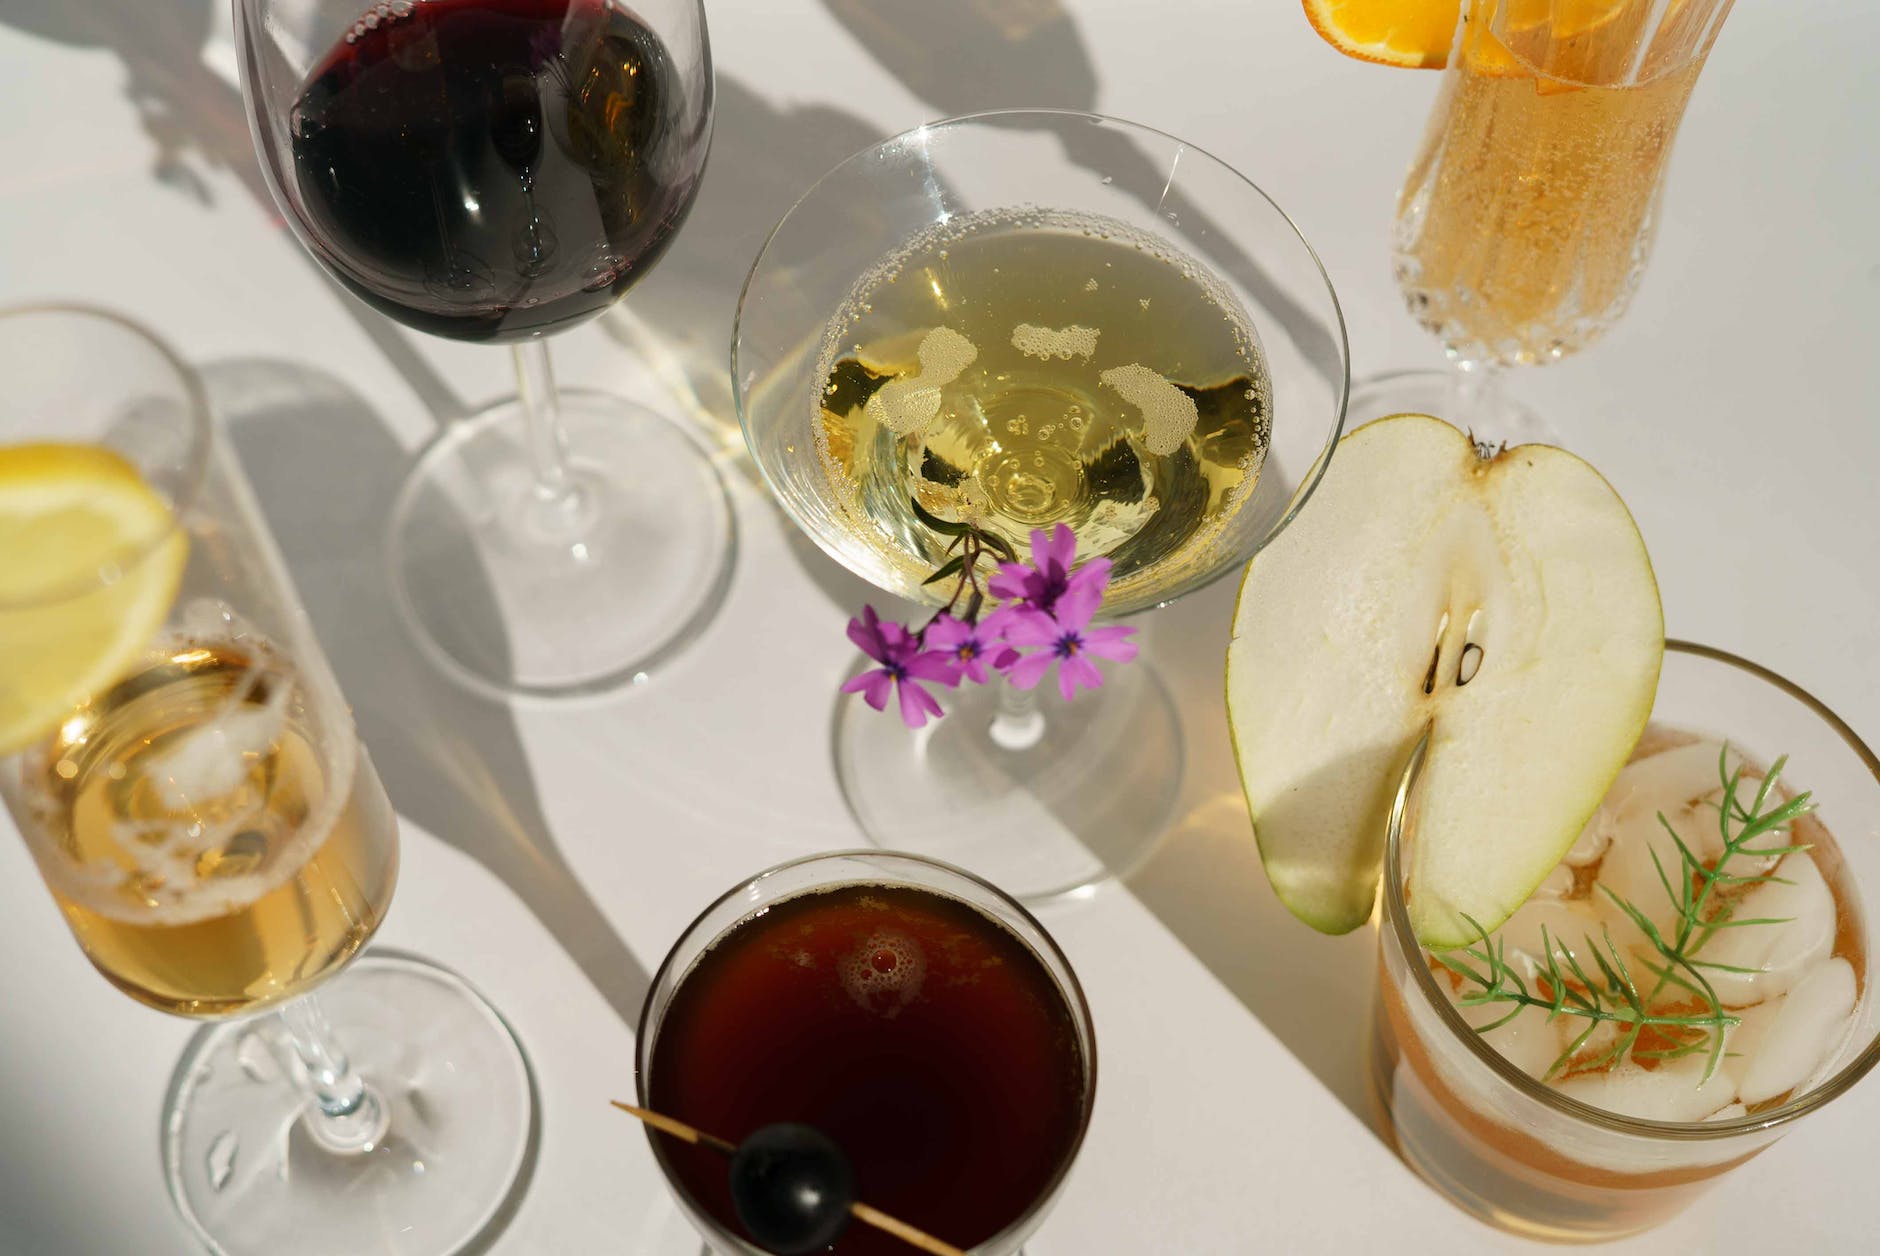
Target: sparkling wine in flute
{"points": [[1020, 369], [1524, 226], [209, 855]]}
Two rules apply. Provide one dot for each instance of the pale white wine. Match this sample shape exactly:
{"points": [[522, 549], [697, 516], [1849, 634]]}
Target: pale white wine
{"points": [[207, 852], [1018, 369]]}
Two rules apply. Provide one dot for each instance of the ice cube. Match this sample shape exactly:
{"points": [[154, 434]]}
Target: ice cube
{"points": [[1593, 838], [1568, 923], [1788, 1045], [1631, 871], [1670, 779], [1530, 1042], [1674, 1091], [1781, 953], [1558, 883], [1728, 1112]]}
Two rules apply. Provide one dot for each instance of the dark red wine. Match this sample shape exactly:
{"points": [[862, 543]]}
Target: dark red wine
{"points": [[493, 169], [921, 1035]]}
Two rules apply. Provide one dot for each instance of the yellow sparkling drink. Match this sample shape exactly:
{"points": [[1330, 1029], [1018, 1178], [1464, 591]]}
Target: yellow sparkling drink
{"points": [[1020, 369], [1526, 220], [207, 854]]}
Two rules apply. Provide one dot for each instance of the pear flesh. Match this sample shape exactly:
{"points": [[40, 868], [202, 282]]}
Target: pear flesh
{"points": [[1504, 603]]}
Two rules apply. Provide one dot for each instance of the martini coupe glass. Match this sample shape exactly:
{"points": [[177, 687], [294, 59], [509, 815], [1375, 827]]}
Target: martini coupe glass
{"points": [[1526, 220], [1017, 320], [497, 171]]}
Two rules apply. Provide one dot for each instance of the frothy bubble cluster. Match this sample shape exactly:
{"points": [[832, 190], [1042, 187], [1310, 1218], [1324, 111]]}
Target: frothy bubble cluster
{"points": [[1061, 342], [905, 406], [885, 973], [1169, 415]]}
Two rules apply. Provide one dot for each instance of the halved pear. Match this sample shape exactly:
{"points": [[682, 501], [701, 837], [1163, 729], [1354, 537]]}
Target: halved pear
{"points": [[1505, 603]]}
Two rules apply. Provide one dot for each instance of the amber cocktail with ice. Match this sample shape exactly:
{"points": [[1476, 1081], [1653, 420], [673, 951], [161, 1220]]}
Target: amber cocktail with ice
{"points": [[1575, 1125]]}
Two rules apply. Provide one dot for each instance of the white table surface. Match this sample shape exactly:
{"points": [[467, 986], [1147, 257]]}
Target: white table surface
{"points": [[553, 854]]}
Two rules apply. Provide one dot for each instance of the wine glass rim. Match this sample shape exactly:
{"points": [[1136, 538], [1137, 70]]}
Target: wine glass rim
{"points": [[1309, 479], [196, 458], [1068, 984], [1396, 918]]}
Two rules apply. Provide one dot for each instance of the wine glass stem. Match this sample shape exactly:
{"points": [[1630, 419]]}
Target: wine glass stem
{"points": [[541, 413], [1478, 399], [346, 1115], [1019, 722]]}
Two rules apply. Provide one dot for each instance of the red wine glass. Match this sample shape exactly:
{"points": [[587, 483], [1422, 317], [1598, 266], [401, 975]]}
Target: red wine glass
{"points": [[496, 171]]}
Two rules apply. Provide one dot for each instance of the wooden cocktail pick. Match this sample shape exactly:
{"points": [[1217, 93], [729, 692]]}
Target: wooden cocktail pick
{"points": [[860, 1211]]}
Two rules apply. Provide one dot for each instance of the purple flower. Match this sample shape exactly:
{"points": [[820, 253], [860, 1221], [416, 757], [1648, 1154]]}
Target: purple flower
{"points": [[970, 647], [1048, 583], [904, 666], [1069, 645]]}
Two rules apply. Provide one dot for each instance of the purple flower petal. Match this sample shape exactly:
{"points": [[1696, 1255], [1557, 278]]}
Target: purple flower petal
{"points": [[1029, 627], [1083, 593], [1057, 550], [993, 626], [935, 665], [1030, 669], [1110, 642], [874, 686], [866, 634], [1012, 581], [1075, 670], [948, 633], [916, 704], [1006, 658]]}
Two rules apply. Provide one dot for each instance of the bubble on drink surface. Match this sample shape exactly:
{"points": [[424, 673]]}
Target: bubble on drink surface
{"points": [[885, 973], [906, 405], [1169, 415], [1063, 343]]}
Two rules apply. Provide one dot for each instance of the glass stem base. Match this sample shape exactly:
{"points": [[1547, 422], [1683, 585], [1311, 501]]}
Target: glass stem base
{"points": [[1474, 399], [559, 561], [439, 1120], [1045, 799]]}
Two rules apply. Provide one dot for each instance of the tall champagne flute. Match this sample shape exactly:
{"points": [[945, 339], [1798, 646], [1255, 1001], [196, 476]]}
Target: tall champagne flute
{"points": [[1527, 217], [1016, 320], [185, 772], [497, 171]]}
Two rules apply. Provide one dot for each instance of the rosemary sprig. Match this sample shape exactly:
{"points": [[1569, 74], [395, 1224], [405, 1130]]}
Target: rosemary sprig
{"points": [[969, 545], [1613, 996]]}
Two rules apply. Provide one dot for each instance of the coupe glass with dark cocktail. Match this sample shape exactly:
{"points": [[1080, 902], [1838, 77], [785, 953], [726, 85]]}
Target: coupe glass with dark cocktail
{"points": [[910, 1012]]}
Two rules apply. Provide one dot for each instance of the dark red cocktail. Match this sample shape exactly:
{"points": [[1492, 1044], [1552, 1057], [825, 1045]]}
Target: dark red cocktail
{"points": [[946, 1056]]}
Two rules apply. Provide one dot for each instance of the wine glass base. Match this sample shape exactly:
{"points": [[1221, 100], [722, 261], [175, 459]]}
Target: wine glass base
{"points": [[1436, 393], [514, 596], [251, 1180], [1085, 804]]}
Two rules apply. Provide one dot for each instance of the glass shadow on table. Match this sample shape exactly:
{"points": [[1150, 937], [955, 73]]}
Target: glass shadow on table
{"points": [[1206, 885], [324, 469]]}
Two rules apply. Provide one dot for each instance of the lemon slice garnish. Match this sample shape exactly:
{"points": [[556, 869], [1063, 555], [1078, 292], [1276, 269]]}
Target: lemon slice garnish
{"points": [[90, 561]]}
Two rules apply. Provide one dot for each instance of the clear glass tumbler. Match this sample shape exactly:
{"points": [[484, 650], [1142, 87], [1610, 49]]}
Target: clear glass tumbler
{"points": [[1523, 1156]]}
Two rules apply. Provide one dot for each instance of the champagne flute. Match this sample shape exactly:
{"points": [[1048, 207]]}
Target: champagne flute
{"points": [[185, 772], [497, 171], [1033, 283], [1527, 217]]}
